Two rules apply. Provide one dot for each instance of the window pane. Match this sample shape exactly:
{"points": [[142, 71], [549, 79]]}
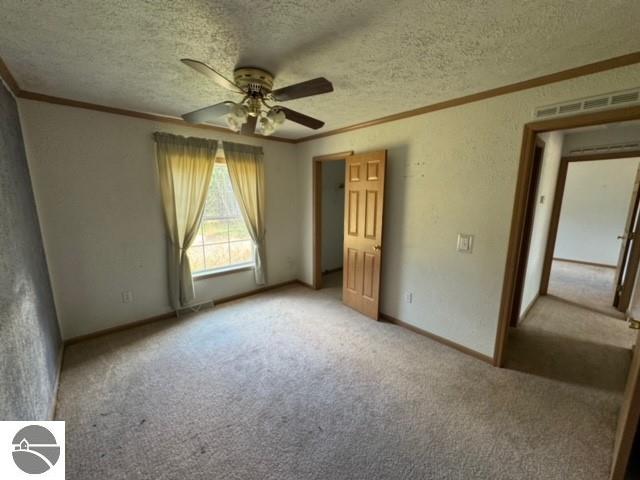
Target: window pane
{"points": [[241, 252], [215, 231], [198, 239], [216, 256], [196, 258], [238, 229], [223, 235]]}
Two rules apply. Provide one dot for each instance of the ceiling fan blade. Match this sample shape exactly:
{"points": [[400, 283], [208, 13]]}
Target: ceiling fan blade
{"points": [[249, 127], [207, 114], [301, 118], [212, 74], [305, 89]]}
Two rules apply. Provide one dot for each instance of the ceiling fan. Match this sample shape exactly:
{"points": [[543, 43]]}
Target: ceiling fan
{"points": [[254, 110]]}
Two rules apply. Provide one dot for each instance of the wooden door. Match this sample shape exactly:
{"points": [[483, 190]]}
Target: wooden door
{"points": [[629, 253], [628, 419], [363, 214]]}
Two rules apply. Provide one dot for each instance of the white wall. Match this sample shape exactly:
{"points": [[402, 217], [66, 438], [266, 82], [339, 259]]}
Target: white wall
{"points": [[332, 214], [449, 171], [542, 217], [95, 183], [594, 210]]}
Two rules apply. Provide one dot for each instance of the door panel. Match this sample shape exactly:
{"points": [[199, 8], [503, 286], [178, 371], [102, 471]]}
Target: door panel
{"points": [[354, 204], [629, 253], [364, 202], [371, 214]]}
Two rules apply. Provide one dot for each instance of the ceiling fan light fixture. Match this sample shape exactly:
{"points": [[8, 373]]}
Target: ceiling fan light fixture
{"points": [[240, 112], [233, 123], [267, 126], [254, 110], [276, 116]]}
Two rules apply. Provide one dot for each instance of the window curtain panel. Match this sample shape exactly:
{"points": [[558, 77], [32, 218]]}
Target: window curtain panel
{"points": [[185, 166], [246, 170]]}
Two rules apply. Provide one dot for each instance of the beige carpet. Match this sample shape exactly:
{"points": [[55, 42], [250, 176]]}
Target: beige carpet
{"points": [[293, 385], [587, 285]]}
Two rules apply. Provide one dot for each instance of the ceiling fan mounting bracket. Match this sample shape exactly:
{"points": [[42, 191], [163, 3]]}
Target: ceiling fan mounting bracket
{"points": [[252, 79]]}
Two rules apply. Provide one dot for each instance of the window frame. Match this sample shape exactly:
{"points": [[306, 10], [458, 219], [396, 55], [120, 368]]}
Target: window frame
{"points": [[225, 270]]}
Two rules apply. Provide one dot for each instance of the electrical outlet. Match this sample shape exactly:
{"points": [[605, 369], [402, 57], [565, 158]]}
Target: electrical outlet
{"points": [[127, 296], [465, 243], [408, 297]]}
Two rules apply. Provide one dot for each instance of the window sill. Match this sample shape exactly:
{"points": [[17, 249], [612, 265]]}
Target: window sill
{"points": [[222, 271]]}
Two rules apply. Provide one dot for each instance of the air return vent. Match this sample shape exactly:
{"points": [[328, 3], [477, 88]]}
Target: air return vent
{"points": [[584, 105]]}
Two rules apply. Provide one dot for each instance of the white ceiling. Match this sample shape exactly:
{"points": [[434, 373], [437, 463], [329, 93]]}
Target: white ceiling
{"points": [[383, 57]]}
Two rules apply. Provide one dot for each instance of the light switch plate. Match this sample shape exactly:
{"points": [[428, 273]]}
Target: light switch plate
{"points": [[465, 243]]}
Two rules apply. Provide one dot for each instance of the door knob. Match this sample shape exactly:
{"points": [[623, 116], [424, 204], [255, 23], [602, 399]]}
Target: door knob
{"points": [[377, 248]]}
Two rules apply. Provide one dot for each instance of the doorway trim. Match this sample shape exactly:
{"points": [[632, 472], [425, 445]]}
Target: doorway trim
{"points": [[515, 251], [529, 218], [317, 211], [557, 205]]}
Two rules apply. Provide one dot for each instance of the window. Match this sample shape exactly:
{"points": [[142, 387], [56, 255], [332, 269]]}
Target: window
{"points": [[223, 240]]}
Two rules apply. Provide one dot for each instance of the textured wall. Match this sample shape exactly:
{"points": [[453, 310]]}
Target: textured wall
{"points": [[29, 335], [94, 174], [449, 171]]}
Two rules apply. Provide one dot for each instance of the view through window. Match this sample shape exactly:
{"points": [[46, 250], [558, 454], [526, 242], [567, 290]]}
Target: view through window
{"points": [[222, 240]]}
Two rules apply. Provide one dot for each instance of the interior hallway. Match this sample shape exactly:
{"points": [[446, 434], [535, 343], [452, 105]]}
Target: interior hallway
{"points": [[591, 286], [575, 345], [292, 384]]}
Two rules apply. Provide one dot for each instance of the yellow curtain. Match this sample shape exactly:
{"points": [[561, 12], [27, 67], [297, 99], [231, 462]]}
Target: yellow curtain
{"points": [[185, 166], [246, 169]]}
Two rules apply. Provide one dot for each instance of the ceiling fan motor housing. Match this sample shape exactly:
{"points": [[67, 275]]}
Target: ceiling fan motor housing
{"points": [[253, 80]]}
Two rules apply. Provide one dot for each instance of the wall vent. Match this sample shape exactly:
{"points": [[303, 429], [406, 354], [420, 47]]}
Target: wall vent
{"points": [[626, 98]]}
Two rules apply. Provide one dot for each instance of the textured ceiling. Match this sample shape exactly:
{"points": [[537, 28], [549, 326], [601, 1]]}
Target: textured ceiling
{"points": [[383, 57]]}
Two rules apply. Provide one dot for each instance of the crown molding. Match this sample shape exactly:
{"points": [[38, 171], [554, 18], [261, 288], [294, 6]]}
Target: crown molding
{"points": [[8, 78], [39, 97], [589, 69]]}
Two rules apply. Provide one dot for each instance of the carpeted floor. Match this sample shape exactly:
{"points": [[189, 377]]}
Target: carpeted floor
{"points": [[291, 384], [587, 285]]}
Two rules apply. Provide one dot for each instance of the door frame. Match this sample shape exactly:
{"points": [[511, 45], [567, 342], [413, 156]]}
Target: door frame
{"points": [[515, 251], [557, 205], [316, 164], [523, 185], [529, 218]]}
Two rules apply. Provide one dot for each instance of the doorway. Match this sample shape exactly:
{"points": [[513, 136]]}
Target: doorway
{"points": [[549, 348], [362, 194], [328, 219], [591, 259]]}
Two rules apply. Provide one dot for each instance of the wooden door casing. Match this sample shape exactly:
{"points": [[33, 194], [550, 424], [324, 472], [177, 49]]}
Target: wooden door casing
{"points": [[627, 265], [363, 217]]}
